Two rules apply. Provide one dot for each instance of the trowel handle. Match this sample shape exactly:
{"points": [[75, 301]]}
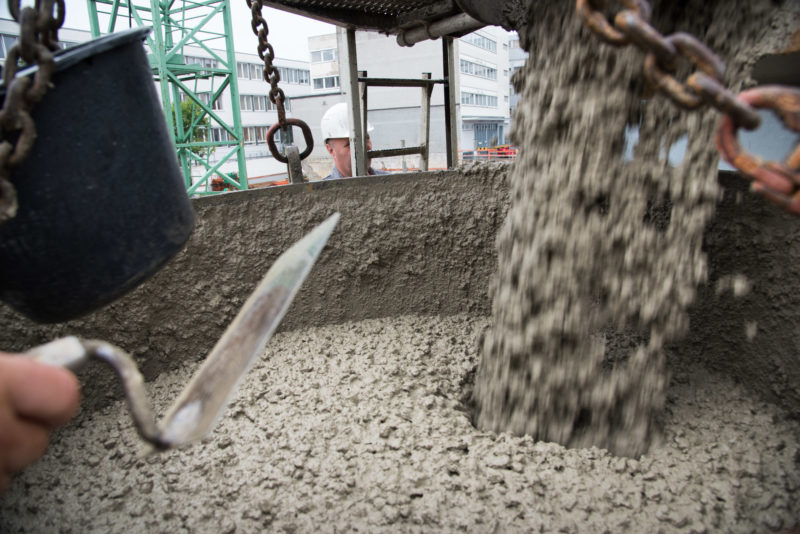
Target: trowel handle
{"points": [[66, 352]]}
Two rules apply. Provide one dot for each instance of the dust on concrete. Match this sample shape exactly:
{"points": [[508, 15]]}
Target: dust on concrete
{"points": [[359, 427], [595, 246]]}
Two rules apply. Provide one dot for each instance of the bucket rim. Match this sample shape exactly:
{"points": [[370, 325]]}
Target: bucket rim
{"points": [[75, 54]]}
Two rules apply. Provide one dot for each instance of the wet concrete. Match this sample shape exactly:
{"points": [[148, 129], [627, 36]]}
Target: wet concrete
{"points": [[417, 243], [359, 425]]}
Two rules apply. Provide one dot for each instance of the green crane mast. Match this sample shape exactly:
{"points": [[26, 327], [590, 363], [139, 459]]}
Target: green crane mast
{"points": [[192, 88]]}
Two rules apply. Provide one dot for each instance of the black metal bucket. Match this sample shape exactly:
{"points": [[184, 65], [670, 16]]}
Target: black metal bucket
{"points": [[102, 204]]}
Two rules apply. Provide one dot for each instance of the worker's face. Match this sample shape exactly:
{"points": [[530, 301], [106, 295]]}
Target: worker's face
{"points": [[339, 149]]}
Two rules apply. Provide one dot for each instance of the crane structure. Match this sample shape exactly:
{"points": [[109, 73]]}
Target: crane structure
{"points": [[191, 87]]}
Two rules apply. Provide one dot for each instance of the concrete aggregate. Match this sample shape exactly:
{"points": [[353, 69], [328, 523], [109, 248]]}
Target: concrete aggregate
{"points": [[361, 427]]}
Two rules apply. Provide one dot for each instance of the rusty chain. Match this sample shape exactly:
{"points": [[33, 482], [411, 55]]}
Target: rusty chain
{"points": [[38, 38], [777, 181], [276, 95]]}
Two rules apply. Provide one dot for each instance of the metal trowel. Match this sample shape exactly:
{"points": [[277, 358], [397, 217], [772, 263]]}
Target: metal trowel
{"points": [[198, 408]]}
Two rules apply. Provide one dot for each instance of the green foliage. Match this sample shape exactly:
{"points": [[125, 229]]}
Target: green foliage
{"points": [[191, 112]]}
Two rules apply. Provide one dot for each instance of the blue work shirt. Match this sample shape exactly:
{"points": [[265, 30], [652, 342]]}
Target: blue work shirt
{"points": [[335, 174]]}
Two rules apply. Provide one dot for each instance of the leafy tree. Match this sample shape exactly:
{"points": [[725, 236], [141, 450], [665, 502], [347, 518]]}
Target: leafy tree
{"points": [[190, 112]]}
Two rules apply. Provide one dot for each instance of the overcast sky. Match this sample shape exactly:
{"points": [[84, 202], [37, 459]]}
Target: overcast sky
{"points": [[288, 33]]}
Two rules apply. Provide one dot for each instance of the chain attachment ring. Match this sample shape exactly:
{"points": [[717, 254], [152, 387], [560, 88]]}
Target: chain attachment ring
{"points": [[273, 148], [778, 181]]}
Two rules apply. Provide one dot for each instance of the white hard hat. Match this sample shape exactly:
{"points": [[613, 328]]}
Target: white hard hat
{"points": [[334, 123]]}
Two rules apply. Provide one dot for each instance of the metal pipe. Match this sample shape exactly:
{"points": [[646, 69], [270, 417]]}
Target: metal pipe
{"points": [[454, 24]]}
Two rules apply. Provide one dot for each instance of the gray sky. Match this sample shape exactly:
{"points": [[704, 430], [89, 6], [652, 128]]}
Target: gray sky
{"points": [[288, 33]]}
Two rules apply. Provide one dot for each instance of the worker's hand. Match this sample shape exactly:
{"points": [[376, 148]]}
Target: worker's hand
{"points": [[34, 399]]}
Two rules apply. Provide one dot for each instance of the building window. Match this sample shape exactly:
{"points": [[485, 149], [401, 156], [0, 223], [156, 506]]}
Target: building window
{"points": [[474, 99], [246, 102], [6, 42], [219, 135], [249, 71], [320, 56], [205, 62], [260, 103], [327, 82], [480, 41], [482, 71], [298, 76], [206, 97]]}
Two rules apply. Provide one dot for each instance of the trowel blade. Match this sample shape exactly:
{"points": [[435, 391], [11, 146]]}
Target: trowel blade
{"points": [[196, 411]]}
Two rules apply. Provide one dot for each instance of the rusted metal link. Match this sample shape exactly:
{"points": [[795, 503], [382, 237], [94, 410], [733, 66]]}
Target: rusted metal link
{"points": [[281, 109], [15, 117], [273, 148], [8, 195], [48, 24], [778, 181], [646, 37], [38, 37], [589, 11], [685, 95], [724, 100]]}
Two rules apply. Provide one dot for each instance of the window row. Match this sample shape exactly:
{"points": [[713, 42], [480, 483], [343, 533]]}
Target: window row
{"points": [[205, 62], [255, 71], [298, 76], [481, 42], [260, 103], [249, 71], [7, 41], [205, 98], [468, 67], [327, 82], [319, 56], [474, 99], [251, 135]]}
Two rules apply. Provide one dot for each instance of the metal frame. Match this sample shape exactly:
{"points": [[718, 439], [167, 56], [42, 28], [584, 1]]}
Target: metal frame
{"points": [[177, 24], [357, 84]]}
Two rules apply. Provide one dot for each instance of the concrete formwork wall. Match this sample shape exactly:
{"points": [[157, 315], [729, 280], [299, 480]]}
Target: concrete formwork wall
{"points": [[753, 336], [411, 244], [424, 244]]}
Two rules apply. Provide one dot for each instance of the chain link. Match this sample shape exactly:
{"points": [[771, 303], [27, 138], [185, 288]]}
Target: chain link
{"points": [[276, 95], [778, 181], [38, 38], [267, 55]]}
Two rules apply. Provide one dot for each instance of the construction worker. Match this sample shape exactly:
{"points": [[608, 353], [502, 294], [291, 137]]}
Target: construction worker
{"points": [[336, 132], [34, 399]]}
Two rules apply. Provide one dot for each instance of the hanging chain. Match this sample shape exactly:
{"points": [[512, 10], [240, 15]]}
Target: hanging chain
{"points": [[276, 96], [267, 55], [778, 181], [38, 38]]}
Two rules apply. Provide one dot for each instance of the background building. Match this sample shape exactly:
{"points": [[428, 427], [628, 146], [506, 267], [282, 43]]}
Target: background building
{"points": [[312, 86], [483, 111]]}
